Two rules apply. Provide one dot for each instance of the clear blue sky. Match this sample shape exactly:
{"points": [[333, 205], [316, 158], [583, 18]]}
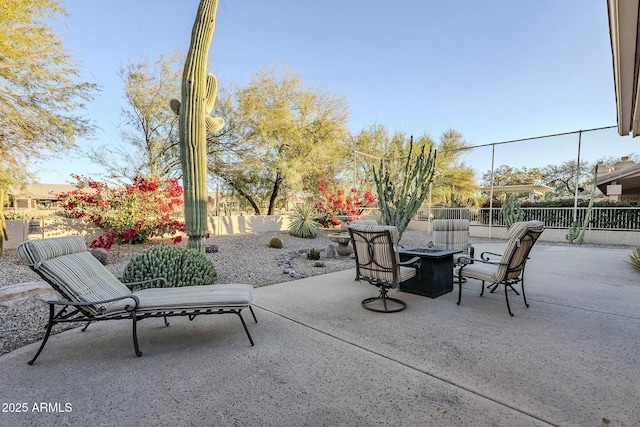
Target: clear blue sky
{"points": [[494, 70]]}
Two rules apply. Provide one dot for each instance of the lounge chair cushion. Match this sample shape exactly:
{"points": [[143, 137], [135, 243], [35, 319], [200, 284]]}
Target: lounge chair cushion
{"points": [[68, 265], [187, 298]]}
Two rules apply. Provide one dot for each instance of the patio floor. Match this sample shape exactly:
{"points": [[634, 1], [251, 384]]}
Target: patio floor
{"points": [[570, 359]]}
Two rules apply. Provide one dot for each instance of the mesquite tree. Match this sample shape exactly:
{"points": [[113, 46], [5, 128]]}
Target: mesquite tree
{"points": [[198, 99], [400, 198]]}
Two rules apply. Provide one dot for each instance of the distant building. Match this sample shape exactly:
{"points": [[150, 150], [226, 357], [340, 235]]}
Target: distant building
{"points": [[532, 190], [33, 196], [622, 183]]}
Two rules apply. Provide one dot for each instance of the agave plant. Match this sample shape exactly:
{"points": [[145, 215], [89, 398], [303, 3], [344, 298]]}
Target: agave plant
{"points": [[304, 222], [634, 258]]}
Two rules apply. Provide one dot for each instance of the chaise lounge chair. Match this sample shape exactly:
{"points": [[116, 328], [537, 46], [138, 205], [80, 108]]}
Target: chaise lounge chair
{"points": [[94, 294]]}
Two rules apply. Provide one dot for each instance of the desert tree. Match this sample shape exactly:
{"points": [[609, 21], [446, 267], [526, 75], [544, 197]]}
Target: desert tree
{"points": [[281, 137], [41, 90], [148, 127]]}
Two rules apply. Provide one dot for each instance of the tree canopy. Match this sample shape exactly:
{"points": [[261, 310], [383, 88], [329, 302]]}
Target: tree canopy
{"points": [[452, 177], [149, 127], [280, 138], [40, 89]]}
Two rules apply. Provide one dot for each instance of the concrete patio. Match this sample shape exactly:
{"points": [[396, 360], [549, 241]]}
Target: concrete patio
{"points": [[570, 359]]}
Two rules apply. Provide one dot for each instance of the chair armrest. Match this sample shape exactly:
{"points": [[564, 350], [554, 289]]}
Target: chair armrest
{"points": [[483, 261], [86, 303], [472, 251], [485, 255], [413, 262]]}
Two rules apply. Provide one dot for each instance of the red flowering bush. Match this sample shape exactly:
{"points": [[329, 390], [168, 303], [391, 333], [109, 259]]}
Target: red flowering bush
{"points": [[129, 214], [337, 204]]}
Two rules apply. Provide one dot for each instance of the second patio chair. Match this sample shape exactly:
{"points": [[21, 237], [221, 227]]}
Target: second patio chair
{"points": [[506, 269], [453, 234], [378, 262]]}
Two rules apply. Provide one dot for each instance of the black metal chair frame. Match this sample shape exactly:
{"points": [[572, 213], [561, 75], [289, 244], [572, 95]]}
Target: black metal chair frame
{"points": [[370, 237], [485, 257], [74, 312]]}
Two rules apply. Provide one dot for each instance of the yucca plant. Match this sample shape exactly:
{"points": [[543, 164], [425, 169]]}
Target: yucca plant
{"points": [[304, 222], [634, 259]]}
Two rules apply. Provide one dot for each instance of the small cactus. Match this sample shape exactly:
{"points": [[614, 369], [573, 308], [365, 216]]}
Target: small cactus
{"points": [[181, 267], [313, 254], [275, 242], [318, 264], [511, 212]]}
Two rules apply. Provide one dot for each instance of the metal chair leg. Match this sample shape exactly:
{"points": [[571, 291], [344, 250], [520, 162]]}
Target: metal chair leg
{"points": [[366, 303], [46, 335], [506, 295], [244, 325], [135, 334]]}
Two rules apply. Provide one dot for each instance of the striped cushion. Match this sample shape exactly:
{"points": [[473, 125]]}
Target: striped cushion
{"points": [[519, 229], [83, 278], [33, 252], [451, 234], [188, 298], [385, 255], [67, 264]]}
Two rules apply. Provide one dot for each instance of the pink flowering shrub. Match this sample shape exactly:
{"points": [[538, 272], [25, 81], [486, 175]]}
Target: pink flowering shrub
{"points": [[129, 214], [339, 204]]}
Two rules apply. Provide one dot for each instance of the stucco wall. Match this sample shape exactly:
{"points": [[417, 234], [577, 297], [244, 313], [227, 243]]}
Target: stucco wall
{"points": [[631, 238], [18, 230]]}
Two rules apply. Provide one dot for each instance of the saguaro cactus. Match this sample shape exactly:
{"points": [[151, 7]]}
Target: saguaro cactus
{"points": [[198, 98]]}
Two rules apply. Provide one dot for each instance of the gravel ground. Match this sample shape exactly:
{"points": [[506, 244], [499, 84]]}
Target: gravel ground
{"points": [[241, 258]]}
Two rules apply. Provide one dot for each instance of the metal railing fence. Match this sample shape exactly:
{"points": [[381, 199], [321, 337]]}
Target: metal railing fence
{"points": [[602, 218]]}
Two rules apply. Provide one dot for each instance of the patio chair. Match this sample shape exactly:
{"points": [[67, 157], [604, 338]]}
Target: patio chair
{"points": [[378, 262], [453, 234], [506, 269], [94, 294]]}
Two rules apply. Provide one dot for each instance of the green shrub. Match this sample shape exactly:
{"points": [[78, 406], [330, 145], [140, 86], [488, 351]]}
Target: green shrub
{"points": [[305, 222], [275, 242], [634, 259], [181, 267]]}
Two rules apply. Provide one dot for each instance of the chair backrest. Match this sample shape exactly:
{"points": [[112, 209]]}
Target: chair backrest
{"points": [[451, 234], [67, 265], [377, 259], [522, 236]]}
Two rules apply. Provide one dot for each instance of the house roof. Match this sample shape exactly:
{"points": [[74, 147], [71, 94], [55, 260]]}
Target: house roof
{"points": [[536, 188], [40, 191], [625, 50], [628, 177]]}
